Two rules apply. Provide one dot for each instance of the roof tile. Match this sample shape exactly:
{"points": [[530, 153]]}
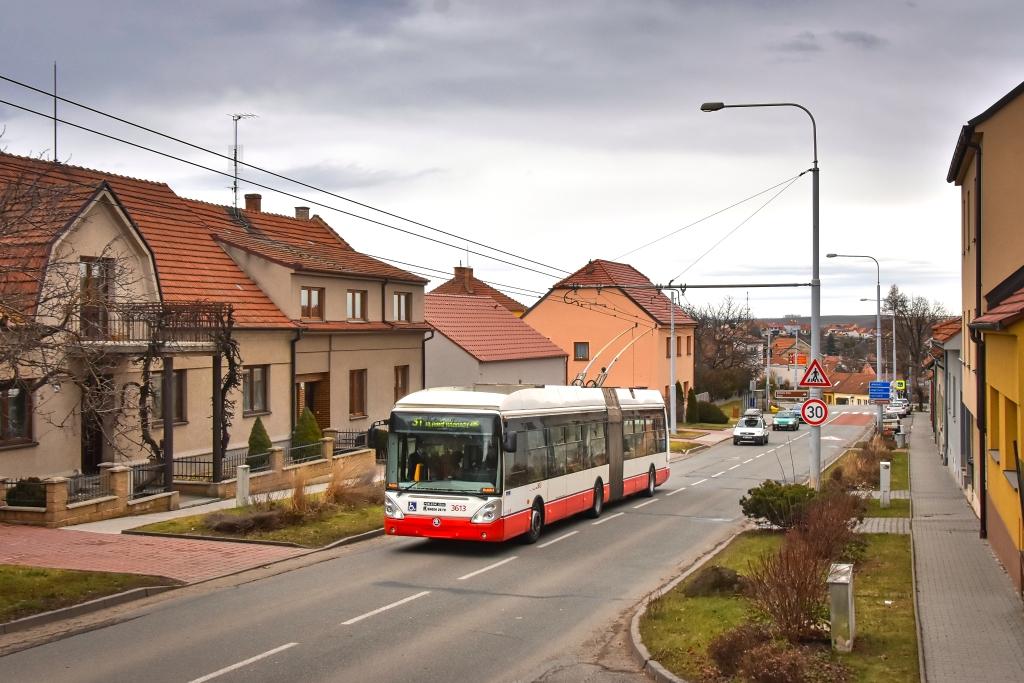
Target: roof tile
{"points": [[485, 329]]}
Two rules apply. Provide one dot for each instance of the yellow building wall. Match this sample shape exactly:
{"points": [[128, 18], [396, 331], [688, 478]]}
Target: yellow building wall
{"points": [[1005, 386]]}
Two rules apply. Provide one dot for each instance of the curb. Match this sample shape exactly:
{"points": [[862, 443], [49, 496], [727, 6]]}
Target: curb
{"points": [[641, 655], [913, 568], [286, 544], [82, 608]]}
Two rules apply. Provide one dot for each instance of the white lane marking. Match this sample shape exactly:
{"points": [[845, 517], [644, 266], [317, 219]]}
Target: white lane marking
{"points": [[385, 608], [652, 500], [675, 491], [758, 455], [698, 482], [487, 568], [718, 474], [556, 540], [244, 662], [748, 460], [734, 467], [608, 518]]}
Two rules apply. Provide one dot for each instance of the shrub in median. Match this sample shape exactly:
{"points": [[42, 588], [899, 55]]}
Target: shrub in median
{"points": [[828, 522], [778, 504], [727, 650], [788, 587]]}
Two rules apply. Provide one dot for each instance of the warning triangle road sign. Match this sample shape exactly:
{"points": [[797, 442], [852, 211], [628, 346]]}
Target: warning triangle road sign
{"points": [[815, 376]]}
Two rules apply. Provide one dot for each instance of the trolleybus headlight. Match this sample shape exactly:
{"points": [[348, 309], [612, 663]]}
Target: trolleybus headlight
{"points": [[488, 512], [392, 508]]}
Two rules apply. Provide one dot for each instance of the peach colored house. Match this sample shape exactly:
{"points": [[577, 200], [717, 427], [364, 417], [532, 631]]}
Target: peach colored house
{"points": [[604, 299]]}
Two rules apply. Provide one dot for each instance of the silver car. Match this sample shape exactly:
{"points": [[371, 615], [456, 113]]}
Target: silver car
{"points": [[750, 429]]}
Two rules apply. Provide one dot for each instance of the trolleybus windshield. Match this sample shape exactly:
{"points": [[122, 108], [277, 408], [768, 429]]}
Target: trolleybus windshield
{"points": [[438, 452]]}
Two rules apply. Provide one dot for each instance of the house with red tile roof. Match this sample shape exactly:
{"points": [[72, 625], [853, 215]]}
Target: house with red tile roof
{"points": [[466, 283], [946, 390], [317, 323], [608, 310], [476, 340]]}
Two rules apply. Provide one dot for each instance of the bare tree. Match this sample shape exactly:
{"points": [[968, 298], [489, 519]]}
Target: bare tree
{"points": [[915, 317], [723, 362]]}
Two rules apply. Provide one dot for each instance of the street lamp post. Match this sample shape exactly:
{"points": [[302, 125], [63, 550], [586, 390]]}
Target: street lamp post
{"points": [[878, 320], [815, 460]]}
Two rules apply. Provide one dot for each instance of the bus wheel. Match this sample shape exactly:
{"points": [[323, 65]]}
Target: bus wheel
{"points": [[649, 491], [597, 507], [536, 523]]}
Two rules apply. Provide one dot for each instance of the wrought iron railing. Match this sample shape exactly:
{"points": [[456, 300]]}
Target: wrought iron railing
{"points": [[158, 321], [300, 454], [82, 487], [147, 479]]}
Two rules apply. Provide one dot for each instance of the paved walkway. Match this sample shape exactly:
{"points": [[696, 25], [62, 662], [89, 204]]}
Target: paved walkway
{"points": [[971, 618], [181, 559], [884, 525]]}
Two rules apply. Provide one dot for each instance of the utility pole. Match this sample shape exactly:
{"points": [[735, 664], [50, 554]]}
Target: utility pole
{"points": [[672, 361], [767, 370]]}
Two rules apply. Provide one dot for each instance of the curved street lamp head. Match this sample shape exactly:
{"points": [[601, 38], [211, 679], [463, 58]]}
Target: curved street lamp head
{"points": [[712, 106], [831, 255]]}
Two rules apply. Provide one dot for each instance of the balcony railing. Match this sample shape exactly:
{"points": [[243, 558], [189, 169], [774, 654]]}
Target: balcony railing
{"points": [[159, 321]]}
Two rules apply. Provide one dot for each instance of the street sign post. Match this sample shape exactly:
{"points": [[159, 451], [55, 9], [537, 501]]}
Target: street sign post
{"points": [[900, 385], [815, 376], [814, 412], [879, 392]]}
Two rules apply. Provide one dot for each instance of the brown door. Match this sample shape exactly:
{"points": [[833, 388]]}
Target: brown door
{"points": [[314, 392]]}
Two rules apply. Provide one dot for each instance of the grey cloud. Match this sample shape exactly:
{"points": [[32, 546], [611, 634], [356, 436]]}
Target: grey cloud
{"points": [[861, 39], [348, 176], [803, 42]]}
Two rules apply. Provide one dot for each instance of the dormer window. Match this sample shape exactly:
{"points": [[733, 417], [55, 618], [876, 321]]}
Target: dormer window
{"points": [[311, 301], [356, 304]]}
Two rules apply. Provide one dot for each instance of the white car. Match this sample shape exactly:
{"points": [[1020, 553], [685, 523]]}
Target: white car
{"points": [[750, 429], [900, 406]]}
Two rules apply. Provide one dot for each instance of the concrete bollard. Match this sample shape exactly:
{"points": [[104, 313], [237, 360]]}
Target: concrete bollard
{"points": [[885, 482], [840, 593], [242, 486]]}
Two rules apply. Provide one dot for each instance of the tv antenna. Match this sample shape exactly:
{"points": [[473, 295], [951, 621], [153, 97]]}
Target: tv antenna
{"points": [[234, 152]]}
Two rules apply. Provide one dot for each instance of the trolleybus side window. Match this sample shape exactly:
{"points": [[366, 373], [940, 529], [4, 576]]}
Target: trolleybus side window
{"points": [[556, 463], [576, 457], [537, 455], [596, 444]]}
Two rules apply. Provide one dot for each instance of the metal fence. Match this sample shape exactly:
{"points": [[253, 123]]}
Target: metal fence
{"points": [[25, 493], [257, 462], [83, 487], [299, 454], [194, 468], [147, 479], [349, 441]]}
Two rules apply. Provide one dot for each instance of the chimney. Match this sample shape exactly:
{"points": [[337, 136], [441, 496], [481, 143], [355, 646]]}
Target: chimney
{"points": [[302, 213], [464, 274], [252, 202]]}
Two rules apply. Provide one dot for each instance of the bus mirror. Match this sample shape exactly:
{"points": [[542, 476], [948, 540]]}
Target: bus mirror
{"points": [[508, 444]]}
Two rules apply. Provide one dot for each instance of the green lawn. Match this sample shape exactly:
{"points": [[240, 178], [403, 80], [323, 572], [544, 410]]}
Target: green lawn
{"points": [[677, 629], [689, 434], [30, 590], [681, 446], [706, 426], [310, 534], [897, 508]]}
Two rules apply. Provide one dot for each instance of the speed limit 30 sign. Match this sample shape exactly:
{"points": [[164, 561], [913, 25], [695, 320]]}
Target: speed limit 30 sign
{"points": [[814, 412]]}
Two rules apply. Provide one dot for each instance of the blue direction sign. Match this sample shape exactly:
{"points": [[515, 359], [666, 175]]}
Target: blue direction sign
{"points": [[879, 392]]}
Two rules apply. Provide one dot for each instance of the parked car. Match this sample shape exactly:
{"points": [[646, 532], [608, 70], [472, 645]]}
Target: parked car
{"points": [[901, 406], [786, 419], [750, 429]]}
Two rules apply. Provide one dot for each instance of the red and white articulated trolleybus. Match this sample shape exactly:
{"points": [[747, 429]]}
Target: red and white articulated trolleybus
{"points": [[491, 463]]}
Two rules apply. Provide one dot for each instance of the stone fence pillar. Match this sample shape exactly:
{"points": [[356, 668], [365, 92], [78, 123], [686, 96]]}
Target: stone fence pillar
{"points": [[277, 459], [327, 447], [118, 482]]}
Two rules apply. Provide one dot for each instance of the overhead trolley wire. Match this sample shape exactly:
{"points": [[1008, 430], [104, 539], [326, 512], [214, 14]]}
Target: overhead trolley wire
{"points": [[726, 236], [271, 173]]}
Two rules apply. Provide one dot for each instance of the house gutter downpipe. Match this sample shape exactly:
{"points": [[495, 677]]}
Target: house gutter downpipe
{"points": [[815, 457], [979, 339]]}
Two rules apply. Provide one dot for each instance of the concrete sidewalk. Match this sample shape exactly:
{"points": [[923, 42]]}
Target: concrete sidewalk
{"points": [[971, 618]]}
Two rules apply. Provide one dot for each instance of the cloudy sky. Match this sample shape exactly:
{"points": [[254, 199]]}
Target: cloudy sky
{"points": [[557, 131]]}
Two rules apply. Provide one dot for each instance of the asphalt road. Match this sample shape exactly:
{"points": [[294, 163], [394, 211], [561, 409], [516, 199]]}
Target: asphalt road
{"points": [[396, 609]]}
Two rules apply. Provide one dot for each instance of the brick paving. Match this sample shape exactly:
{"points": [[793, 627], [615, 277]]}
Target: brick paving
{"points": [[182, 559], [971, 618]]}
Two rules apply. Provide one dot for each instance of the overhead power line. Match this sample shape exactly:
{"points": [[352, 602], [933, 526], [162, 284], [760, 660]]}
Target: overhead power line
{"points": [[707, 217], [273, 189], [272, 173]]}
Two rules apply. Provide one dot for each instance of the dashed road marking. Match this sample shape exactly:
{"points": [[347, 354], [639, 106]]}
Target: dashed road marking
{"points": [[718, 474], [675, 491], [556, 540], [487, 568], [608, 518], [244, 662], [652, 500]]}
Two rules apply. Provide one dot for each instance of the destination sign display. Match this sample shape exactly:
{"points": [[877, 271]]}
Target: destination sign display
{"points": [[449, 424]]}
